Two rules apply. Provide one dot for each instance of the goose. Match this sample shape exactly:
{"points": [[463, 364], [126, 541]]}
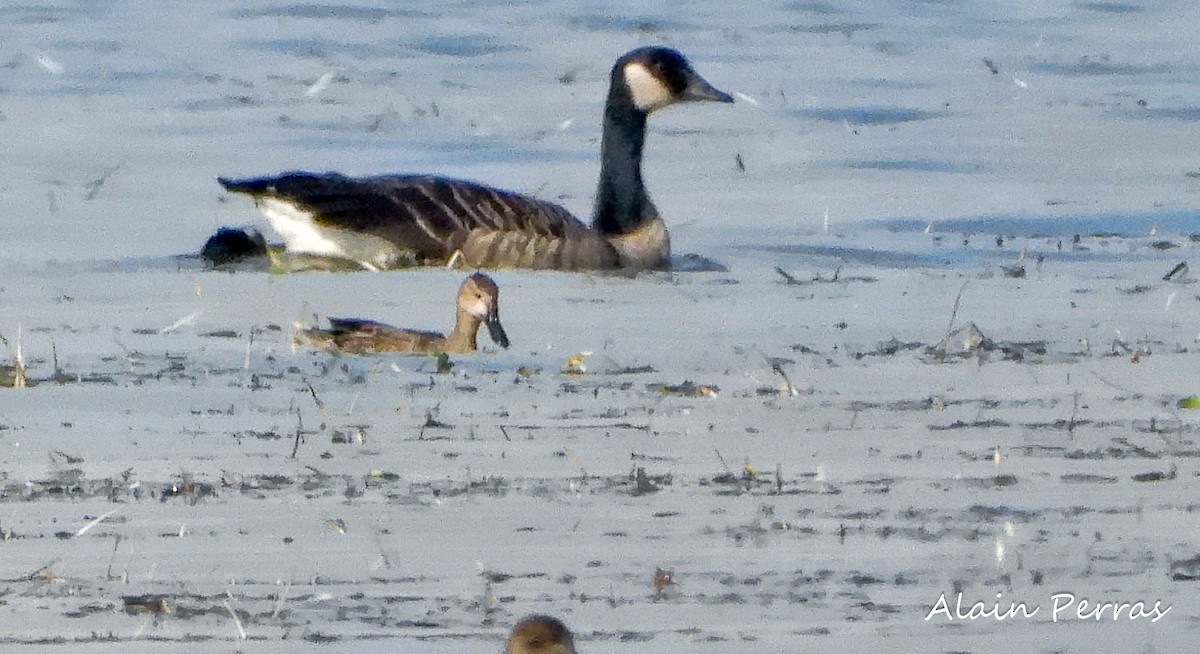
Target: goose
{"points": [[540, 634], [394, 221], [478, 302]]}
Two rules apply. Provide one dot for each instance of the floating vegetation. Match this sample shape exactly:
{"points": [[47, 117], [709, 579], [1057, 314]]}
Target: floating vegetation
{"points": [[576, 364], [152, 604], [1191, 402], [686, 389]]}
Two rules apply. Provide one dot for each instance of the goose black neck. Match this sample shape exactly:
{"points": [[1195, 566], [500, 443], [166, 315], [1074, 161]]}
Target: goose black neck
{"points": [[621, 200]]}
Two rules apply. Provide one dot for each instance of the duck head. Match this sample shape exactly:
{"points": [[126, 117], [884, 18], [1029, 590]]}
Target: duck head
{"points": [[540, 634], [480, 297]]}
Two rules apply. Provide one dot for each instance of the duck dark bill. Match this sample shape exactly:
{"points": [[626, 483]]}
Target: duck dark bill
{"points": [[495, 329]]}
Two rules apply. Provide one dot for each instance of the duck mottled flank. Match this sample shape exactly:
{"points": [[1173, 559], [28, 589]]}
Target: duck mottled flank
{"points": [[478, 303], [397, 221], [540, 634]]}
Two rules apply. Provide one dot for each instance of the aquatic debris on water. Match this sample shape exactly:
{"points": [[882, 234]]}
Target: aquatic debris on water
{"points": [[576, 363], [686, 389], [1192, 402], [138, 604], [965, 341], [1158, 475]]}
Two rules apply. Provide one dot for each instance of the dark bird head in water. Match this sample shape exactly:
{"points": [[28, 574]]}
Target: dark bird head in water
{"points": [[540, 634], [230, 245]]}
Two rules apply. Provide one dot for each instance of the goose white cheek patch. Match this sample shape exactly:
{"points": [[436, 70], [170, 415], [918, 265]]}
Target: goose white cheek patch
{"points": [[649, 93]]}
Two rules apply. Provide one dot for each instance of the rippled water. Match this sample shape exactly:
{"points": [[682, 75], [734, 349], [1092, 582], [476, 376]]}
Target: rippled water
{"points": [[929, 148], [949, 112]]}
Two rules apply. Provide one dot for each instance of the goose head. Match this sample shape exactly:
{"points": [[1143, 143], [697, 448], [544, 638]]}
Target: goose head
{"points": [[479, 297], [655, 77], [540, 634]]}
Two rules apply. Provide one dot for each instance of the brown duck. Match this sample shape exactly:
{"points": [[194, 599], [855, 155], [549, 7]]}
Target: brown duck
{"points": [[540, 634], [394, 221], [478, 303]]}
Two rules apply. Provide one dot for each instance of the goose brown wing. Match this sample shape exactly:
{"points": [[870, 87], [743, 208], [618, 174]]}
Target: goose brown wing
{"points": [[426, 214]]}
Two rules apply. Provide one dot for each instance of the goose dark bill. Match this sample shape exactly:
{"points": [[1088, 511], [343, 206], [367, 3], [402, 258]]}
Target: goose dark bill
{"points": [[699, 90]]}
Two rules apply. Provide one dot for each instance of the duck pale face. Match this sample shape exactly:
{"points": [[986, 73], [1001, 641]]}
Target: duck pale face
{"points": [[480, 298]]}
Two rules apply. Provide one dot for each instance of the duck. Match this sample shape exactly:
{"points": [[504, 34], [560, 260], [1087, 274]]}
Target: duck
{"points": [[477, 303], [395, 221], [540, 634]]}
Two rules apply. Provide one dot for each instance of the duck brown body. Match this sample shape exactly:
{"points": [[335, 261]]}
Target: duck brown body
{"points": [[477, 304], [395, 221]]}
